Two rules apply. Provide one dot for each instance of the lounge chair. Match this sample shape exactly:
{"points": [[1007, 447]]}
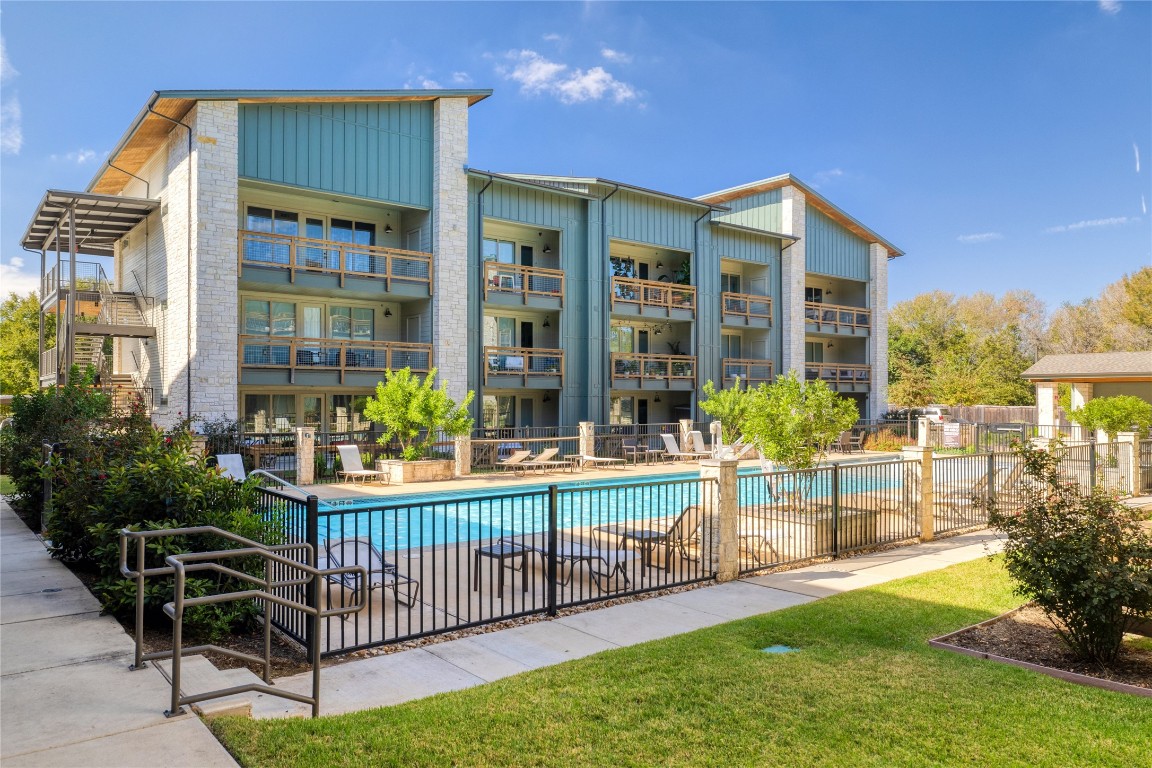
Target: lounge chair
{"points": [[583, 460], [738, 450], [352, 468], [515, 461], [672, 450], [960, 503], [361, 551], [545, 460], [696, 440], [758, 537], [672, 533], [232, 466], [601, 564]]}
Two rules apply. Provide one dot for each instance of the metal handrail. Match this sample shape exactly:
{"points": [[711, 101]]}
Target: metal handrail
{"points": [[180, 565], [284, 483]]}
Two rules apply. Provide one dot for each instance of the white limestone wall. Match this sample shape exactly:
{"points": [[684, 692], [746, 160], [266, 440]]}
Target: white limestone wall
{"points": [[1046, 396], [450, 244], [878, 343], [792, 268]]}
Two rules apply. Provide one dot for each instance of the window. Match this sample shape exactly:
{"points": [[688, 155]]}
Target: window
{"points": [[346, 414], [814, 294], [499, 411], [729, 283], [500, 251], [272, 222], [499, 331], [351, 323], [276, 318], [730, 345], [621, 338], [814, 351], [622, 410]]}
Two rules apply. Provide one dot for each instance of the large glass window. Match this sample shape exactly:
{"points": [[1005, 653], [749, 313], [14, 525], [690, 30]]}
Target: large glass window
{"points": [[354, 323], [730, 345], [501, 251], [346, 414], [729, 283], [276, 318], [622, 410], [621, 338], [273, 222], [355, 233], [499, 411], [499, 331]]}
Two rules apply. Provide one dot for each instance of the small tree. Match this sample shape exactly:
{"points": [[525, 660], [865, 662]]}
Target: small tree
{"points": [[1084, 560], [792, 422], [412, 411], [1113, 415], [728, 406]]}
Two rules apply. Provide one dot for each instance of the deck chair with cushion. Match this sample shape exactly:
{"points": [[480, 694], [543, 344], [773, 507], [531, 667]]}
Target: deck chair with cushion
{"points": [[381, 574], [352, 468], [232, 466], [545, 461], [696, 440], [676, 532], [672, 450], [514, 462]]}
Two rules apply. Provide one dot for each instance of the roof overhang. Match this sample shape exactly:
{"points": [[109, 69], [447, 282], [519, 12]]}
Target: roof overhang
{"points": [[617, 185], [100, 220], [754, 231], [526, 181], [149, 130]]}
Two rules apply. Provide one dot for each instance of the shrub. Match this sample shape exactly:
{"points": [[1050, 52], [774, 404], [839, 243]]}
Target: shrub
{"points": [[1083, 559], [885, 440], [412, 411], [1113, 415]]}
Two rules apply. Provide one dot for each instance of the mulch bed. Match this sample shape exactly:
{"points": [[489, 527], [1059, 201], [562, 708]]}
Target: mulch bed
{"points": [[1028, 635]]}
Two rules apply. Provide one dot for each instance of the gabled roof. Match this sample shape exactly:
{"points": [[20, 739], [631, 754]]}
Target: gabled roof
{"points": [[100, 220], [1095, 366], [149, 130], [814, 198]]}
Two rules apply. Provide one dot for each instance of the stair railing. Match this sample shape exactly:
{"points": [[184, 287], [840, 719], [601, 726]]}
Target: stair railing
{"points": [[309, 578]]}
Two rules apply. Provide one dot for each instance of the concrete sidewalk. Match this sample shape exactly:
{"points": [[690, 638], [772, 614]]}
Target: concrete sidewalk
{"points": [[67, 697], [478, 659]]}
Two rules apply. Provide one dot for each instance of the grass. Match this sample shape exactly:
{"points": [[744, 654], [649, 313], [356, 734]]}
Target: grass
{"points": [[865, 690], [7, 488]]}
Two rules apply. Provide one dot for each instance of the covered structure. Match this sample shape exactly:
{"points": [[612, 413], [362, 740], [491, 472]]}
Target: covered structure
{"points": [[1097, 374]]}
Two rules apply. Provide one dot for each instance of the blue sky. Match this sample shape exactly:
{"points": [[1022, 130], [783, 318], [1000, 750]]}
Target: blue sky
{"points": [[1000, 145]]}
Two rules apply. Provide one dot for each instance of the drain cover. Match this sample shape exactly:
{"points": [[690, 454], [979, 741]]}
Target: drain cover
{"points": [[779, 649]]}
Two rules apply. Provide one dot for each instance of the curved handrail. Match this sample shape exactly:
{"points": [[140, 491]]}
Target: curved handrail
{"points": [[281, 481]]}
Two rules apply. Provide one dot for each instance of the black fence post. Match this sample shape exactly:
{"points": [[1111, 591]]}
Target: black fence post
{"points": [[553, 494], [991, 477], [835, 510], [1092, 447], [312, 535]]}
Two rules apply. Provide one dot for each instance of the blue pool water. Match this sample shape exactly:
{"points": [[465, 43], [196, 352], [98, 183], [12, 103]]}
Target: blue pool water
{"points": [[419, 520]]}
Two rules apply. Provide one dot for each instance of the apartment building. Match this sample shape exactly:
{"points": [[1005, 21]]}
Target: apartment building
{"points": [[269, 254]]}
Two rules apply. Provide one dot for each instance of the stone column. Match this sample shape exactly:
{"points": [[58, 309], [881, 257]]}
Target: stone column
{"points": [[719, 540], [450, 244], [587, 440], [793, 265], [878, 333], [918, 486], [716, 430], [463, 455], [1045, 403], [923, 433], [305, 455], [1130, 464]]}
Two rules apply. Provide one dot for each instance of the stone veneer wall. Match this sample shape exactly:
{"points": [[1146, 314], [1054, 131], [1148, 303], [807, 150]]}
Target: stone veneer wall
{"points": [[199, 317], [792, 269], [878, 341], [450, 243]]}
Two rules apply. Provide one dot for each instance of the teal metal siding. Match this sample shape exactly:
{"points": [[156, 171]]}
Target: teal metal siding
{"points": [[745, 246], [378, 151], [830, 249], [642, 219], [759, 211], [528, 206]]}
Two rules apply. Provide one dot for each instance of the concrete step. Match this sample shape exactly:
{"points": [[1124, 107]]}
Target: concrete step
{"points": [[199, 675]]}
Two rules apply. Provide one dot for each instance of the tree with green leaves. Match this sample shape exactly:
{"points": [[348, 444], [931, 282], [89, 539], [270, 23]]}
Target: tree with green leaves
{"points": [[19, 343], [414, 413], [728, 406], [1113, 415], [793, 422]]}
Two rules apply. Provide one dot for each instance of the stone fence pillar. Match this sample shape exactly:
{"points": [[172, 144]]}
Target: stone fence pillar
{"points": [[305, 455], [923, 432], [1131, 465], [918, 487], [685, 428], [587, 440], [719, 540]]}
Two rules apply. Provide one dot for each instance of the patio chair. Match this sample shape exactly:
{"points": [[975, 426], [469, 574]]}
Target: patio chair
{"points": [[856, 442], [361, 551], [843, 443], [514, 462], [601, 564], [696, 440], [738, 450], [633, 449], [672, 450], [960, 504], [232, 466], [677, 532], [352, 467], [759, 538], [545, 460]]}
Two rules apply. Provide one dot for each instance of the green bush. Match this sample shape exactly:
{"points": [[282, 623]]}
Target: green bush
{"points": [[413, 412], [1083, 559], [1114, 415]]}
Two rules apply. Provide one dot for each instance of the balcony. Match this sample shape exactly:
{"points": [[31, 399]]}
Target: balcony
{"points": [[747, 310], [641, 371], [752, 373], [289, 360], [524, 367], [833, 318], [514, 285], [325, 264], [651, 298], [842, 378]]}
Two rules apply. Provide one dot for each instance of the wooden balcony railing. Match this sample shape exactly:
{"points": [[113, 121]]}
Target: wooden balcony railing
{"points": [[302, 254], [836, 318], [652, 293], [522, 364], [525, 282], [832, 373], [751, 372], [332, 354], [629, 365], [747, 306]]}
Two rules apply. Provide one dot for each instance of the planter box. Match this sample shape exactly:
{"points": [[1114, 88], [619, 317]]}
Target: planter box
{"points": [[424, 471]]}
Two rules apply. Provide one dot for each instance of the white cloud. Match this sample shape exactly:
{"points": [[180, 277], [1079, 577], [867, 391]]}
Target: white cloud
{"points": [[618, 56], [552, 37], [1136, 150], [538, 75], [823, 177], [11, 116], [15, 280], [79, 156], [461, 78], [1143, 205], [1110, 7], [422, 83], [1115, 221], [980, 237]]}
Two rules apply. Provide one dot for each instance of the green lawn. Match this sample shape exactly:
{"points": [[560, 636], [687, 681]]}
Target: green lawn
{"points": [[6, 486], [865, 690]]}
